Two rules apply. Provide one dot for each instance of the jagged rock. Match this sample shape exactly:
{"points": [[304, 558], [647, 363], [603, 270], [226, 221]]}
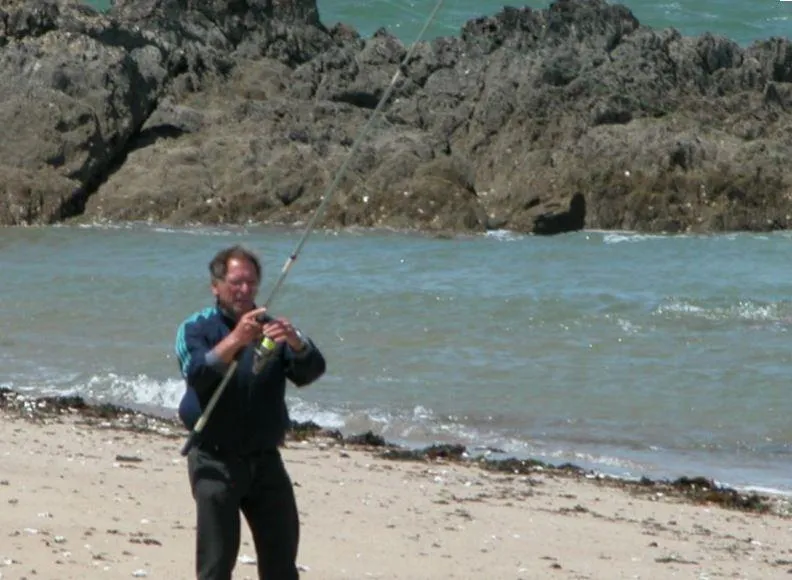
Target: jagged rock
{"points": [[570, 220], [217, 112], [76, 87]]}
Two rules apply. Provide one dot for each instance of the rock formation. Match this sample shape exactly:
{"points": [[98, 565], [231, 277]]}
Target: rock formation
{"points": [[201, 111]]}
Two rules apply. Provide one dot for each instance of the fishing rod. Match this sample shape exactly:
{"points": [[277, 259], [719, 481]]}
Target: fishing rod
{"points": [[204, 418]]}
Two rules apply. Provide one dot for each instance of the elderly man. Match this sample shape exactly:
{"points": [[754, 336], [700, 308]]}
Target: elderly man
{"points": [[235, 465]]}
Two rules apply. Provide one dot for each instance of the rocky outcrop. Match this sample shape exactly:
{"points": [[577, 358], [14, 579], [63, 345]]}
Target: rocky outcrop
{"points": [[571, 219], [230, 112], [76, 86]]}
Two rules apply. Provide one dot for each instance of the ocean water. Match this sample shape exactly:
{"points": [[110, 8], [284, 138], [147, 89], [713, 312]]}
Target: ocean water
{"points": [[630, 354], [741, 20]]}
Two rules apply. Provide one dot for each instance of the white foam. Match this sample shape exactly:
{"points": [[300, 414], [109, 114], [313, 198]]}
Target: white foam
{"points": [[303, 411], [195, 230], [140, 389], [628, 327], [766, 491], [619, 238], [198, 231], [504, 235], [744, 310], [679, 307]]}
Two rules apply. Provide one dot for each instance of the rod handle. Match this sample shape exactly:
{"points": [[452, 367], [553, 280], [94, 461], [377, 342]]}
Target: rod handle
{"points": [[189, 443]]}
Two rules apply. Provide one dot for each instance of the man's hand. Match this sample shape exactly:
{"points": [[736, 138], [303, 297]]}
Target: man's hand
{"points": [[248, 329], [281, 330]]}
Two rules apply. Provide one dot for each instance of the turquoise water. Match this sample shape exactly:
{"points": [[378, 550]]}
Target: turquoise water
{"points": [[631, 354], [636, 355], [740, 20]]}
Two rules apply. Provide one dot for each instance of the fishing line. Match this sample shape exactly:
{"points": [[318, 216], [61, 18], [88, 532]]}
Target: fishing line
{"points": [[204, 418]]}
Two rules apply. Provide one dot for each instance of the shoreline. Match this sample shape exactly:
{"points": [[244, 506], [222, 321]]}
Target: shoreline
{"points": [[661, 473], [298, 227], [695, 489], [99, 492]]}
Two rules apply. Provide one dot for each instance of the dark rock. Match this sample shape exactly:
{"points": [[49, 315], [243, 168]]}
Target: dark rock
{"points": [[305, 430], [496, 222], [513, 466], [221, 112], [571, 220], [368, 438], [76, 87], [173, 117], [454, 452]]}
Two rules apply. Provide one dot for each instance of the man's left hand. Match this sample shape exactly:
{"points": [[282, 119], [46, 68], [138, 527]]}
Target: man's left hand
{"points": [[281, 330]]}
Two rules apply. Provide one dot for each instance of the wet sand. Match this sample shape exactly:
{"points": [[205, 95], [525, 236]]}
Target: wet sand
{"points": [[88, 497]]}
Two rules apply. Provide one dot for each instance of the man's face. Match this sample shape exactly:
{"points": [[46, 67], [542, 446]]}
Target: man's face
{"points": [[237, 291]]}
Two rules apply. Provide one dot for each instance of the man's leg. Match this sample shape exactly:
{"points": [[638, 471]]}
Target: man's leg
{"points": [[271, 511], [217, 503]]}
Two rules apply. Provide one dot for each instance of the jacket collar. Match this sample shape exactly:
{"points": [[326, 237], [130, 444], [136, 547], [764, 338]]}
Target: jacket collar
{"points": [[230, 318]]}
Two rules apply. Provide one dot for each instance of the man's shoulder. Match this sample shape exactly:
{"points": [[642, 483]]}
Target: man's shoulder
{"points": [[206, 316]]}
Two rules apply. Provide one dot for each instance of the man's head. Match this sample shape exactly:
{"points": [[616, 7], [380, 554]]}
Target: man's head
{"points": [[235, 276]]}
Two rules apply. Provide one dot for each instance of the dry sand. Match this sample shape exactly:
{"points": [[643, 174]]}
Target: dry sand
{"points": [[84, 501]]}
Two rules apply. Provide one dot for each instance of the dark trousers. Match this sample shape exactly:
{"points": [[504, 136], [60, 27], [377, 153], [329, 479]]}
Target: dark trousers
{"points": [[259, 487]]}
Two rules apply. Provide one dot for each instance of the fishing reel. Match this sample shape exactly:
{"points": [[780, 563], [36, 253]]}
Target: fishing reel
{"points": [[262, 352]]}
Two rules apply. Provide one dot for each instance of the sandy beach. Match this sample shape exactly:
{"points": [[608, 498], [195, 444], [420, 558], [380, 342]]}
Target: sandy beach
{"points": [[83, 499]]}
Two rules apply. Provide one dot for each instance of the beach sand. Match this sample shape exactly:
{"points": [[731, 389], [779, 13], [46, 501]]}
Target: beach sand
{"points": [[83, 499]]}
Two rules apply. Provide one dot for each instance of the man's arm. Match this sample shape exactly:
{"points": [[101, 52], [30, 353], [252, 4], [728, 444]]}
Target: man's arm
{"points": [[202, 364], [306, 365]]}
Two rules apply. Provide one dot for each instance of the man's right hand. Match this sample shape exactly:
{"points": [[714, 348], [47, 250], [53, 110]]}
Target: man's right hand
{"points": [[247, 330]]}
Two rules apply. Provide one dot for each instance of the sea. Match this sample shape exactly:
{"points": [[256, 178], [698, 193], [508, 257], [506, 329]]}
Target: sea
{"points": [[629, 354], [744, 21]]}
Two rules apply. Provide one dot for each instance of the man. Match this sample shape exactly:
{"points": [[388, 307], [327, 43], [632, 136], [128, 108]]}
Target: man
{"points": [[236, 465]]}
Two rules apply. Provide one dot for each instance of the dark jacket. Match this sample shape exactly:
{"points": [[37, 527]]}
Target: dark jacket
{"points": [[251, 414]]}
